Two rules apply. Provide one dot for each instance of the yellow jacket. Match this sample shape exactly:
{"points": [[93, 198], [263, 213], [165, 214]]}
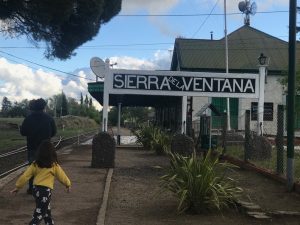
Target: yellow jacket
{"points": [[43, 176]]}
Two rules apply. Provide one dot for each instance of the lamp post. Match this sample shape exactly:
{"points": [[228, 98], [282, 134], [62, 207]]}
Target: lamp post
{"points": [[263, 63]]}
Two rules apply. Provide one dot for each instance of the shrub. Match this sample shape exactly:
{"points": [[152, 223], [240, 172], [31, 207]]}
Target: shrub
{"points": [[144, 135], [198, 185], [153, 138]]}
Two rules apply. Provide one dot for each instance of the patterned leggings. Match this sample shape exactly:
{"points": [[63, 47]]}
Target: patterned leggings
{"points": [[42, 211]]}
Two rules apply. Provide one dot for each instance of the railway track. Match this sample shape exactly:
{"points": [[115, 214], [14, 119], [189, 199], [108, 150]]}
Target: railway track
{"points": [[14, 159]]}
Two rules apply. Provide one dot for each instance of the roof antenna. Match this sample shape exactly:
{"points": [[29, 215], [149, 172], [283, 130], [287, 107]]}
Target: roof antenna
{"points": [[248, 9]]}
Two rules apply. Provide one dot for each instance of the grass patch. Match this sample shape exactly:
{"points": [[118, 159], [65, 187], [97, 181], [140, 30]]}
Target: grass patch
{"points": [[271, 164], [10, 137]]}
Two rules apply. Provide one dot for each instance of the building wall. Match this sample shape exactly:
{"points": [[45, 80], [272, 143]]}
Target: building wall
{"points": [[274, 93]]}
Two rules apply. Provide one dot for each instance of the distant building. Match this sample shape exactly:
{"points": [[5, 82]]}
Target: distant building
{"points": [[244, 47]]}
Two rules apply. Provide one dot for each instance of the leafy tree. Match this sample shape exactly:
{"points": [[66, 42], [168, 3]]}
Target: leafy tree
{"points": [[19, 109], [284, 81], [136, 115], [86, 101], [6, 107], [63, 25], [90, 103], [113, 116], [74, 107], [81, 99], [64, 105]]}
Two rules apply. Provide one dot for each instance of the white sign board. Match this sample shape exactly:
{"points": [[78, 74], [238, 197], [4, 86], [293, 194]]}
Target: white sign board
{"points": [[178, 83]]}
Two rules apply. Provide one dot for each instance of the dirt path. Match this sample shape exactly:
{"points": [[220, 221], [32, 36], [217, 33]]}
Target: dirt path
{"points": [[135, 196], [79, 207]]}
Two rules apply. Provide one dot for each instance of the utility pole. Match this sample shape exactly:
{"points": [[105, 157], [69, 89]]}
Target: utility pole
{"points": [[291, 95], [226, 60]]}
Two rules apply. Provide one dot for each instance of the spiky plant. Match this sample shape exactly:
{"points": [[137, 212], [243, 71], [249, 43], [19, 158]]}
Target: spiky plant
{"points": [[153, 138], [198, 185]]}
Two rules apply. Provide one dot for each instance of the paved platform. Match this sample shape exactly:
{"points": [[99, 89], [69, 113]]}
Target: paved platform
{"points": [[79, 207]]}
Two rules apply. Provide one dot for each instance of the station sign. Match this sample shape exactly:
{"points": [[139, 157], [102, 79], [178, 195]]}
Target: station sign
{"points": [[178, 83]]}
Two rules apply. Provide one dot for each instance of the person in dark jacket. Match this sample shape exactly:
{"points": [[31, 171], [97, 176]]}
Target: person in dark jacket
{"points": [[37, 126]]}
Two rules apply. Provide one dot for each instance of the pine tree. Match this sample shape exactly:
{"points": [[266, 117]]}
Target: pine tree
{"points": [[64, 105], [86, 101], [62, 25], [81, 99], [6, 107], [90, 103]]}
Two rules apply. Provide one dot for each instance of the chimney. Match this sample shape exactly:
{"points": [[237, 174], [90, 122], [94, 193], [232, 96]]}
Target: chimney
{"points": [[211, 35]]}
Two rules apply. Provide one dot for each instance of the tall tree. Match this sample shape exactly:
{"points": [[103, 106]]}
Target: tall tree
{"points": [[90, 103], [63, 25], [64, 105], [81, 99], [86, 101], [6, 107], [19, 109], [284, 81]]}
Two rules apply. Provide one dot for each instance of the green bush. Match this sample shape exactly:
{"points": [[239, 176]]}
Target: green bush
{"points": [[144, 135], [198, 185], [161, 142], [153, 138]]}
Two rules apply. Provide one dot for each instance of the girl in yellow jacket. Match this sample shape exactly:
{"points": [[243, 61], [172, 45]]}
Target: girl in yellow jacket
{"points": [[43, 170]]}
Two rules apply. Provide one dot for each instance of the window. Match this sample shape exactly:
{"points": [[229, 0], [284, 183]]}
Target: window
{"points": [[268, 111]]}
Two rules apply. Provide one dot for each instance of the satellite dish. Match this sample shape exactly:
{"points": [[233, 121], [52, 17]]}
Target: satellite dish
{"points": [[242, 6], [98, 66], [247, 9], [253, 8]]}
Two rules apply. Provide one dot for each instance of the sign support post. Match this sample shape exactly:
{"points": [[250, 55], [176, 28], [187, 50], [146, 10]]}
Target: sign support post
{"points": [[105, 97], [183, 116]]}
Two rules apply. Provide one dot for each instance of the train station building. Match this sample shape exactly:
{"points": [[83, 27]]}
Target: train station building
{"points": [[245, 45]]}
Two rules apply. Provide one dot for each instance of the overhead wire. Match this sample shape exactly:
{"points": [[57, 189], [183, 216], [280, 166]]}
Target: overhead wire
{"points": [[50, 68], [197, 14], [31, 67], [204, 21], [106, 46]]}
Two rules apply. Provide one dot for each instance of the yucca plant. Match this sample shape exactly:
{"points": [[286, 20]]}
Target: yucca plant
{"points": [[153, 138], [161, 142], [144, 135], [198, 185]]}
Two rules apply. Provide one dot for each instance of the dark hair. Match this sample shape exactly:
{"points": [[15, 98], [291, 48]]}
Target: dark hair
{"points": [[37, 104], [46, 155]]}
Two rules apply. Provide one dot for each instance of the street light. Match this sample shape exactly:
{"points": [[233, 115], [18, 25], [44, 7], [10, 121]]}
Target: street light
{"points": [[263, 62]]}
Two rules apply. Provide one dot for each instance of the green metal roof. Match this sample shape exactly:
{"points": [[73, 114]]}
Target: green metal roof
{"points": [[244, 47]]}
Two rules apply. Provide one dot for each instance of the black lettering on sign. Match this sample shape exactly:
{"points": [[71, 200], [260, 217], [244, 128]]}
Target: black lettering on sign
{"points": [[184, 84]]}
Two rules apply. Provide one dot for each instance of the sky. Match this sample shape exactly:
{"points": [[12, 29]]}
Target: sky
{"points": [[141, 36]]}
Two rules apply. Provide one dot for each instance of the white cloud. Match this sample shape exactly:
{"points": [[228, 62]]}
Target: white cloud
{"points": [[18, 82], [160, 61], [153, 7]]}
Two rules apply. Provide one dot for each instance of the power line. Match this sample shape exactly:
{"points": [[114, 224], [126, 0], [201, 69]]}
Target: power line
{"points": [[11, 60], [92, 47], [50, 68], [197, 14], [204, 21]]}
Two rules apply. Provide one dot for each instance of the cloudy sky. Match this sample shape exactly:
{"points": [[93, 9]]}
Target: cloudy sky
{"points": [[140, 37]]}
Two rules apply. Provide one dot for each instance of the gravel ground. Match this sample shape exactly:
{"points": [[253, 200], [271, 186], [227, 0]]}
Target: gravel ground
{"points": [[135, 196]]}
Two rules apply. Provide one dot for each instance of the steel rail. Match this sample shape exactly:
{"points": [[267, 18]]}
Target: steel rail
{"points": [[23, 149]]}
